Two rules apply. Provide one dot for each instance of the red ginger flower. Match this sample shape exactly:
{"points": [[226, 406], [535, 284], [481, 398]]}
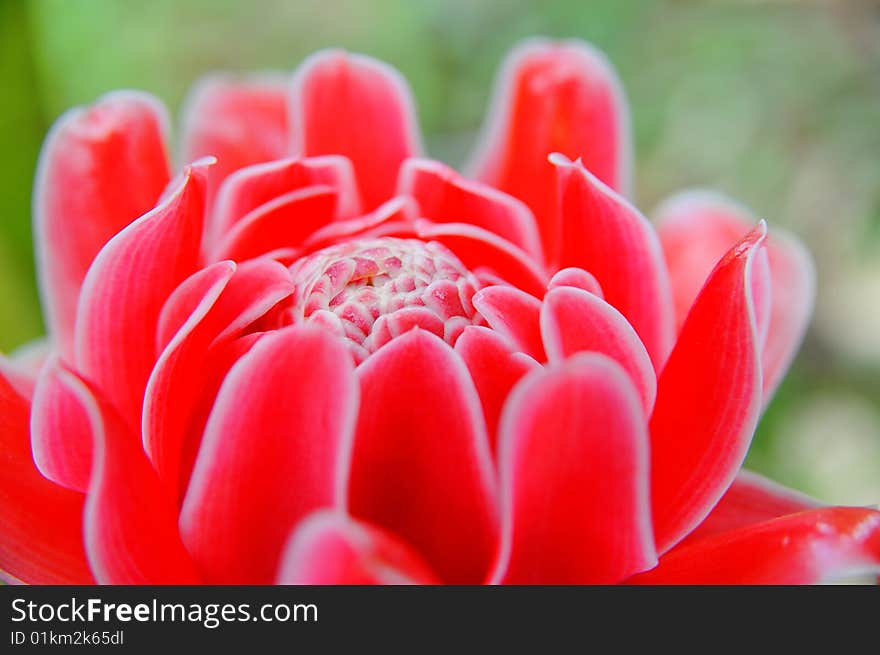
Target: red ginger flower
{"points": [[323, 359]]}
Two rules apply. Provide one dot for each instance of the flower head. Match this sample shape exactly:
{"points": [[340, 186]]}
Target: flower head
{"points": [[317, 357]]}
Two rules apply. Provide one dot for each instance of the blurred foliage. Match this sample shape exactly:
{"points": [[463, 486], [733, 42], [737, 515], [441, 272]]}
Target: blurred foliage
{"points": [[776, 103]]}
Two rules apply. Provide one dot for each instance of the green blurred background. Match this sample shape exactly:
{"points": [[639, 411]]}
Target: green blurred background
{"points": [[776, 103]]}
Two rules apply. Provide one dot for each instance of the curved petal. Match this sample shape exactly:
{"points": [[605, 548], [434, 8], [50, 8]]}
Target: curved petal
{"points": [[573, 320], [176, 381], [41, 540], [478, 249], [189, 297], [331, 548], [398, 210], [515, 314], [61, 435], [573, 460], [444, 196], [810, 547], [130, 524], [273, 451], [358, 107], [697, 227], [604, 234], [577, 278], [494, 368], [239, 121], [100, 168], [708, 397], [255, 290], [282, 223], [124, 290], [751, 499], [553, 97], [23, 365], [421, 466], [251, 187]]}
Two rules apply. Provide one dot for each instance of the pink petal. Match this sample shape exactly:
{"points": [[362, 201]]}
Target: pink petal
{"points": [[573, 320], [176, 381], [444, 196], [41, 540], [421, 466], [577, 278], [708, 397], [398, 210], [751, 499], [331, 548], [187, 299], [479, 249], [358, 107], [255, 290], [23, 365], [604, 234], [516, 315], [573, 459], [125, 289], [100, 168], [553, 97], [130, 524], [254, 186], [696, 228], [273, 451], [285, 222], [239, 121], [494, 368], [61, 435], [809, 547]]}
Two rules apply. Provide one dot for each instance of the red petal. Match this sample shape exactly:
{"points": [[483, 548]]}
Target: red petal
{"points": [[126, 287], [708, 398], [573, 459], [285, 222], [61, 435], [254, 186], [359, 107], [330, 548], [421, 466], [41, 540], [444, 196], [573, 320], [100, 169], [480, 249], [696, 228], [187, 299], [239, 121], [810, 547], [130, 524], [398, 210], [494, 368], [578, 278], [514, 314], [751, 499], [176, 380], [604, 234], [553, 97], [24, 364], [218, 361], [273, 451], [255, 289]]}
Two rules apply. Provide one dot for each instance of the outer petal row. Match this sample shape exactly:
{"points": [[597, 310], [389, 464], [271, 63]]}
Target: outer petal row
{"points": [[100, 169], [696, 228]]}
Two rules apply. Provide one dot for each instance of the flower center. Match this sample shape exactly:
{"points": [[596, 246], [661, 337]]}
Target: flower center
{"points": [[372, 290]]}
